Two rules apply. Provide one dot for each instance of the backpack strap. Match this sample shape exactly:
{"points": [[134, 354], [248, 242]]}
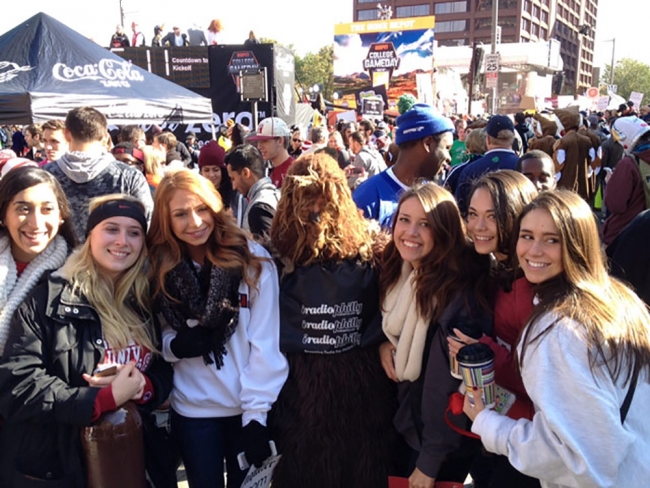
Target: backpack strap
{"points": [[628, 398]]}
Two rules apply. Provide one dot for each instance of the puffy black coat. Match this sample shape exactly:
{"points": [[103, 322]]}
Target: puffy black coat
{"points": [[55, 337]]}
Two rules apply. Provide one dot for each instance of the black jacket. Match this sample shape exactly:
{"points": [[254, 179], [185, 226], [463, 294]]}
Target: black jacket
{"points": [[55, 337], [422, 403]]}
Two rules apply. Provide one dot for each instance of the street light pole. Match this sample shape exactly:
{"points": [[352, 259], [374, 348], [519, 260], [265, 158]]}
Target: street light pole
{"points": [[611, 67], [121, 14], [495, 23]]}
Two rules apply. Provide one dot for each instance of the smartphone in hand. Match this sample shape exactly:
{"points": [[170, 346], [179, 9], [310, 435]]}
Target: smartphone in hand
{"points": [[104, 370]]}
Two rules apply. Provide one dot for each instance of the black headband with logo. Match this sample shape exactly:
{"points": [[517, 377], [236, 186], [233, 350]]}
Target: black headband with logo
{"points": [[116, 208]]}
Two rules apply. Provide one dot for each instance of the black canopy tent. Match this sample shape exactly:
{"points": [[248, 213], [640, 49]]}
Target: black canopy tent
{"points": [[46, 69]]}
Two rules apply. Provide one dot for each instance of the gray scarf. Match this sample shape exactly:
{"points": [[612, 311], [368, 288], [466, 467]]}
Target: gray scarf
{"points": [[13, 290], [82, 167]]}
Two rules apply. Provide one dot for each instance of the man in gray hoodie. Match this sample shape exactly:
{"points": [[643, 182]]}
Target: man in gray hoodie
{"points": [[87, 170], [246, 170]]}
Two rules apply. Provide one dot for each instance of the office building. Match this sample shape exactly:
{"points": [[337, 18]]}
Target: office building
{"points": [[463, 22]]}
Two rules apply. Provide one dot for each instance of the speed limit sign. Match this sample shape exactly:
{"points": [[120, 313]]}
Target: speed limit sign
{"points": [[492, 63]]}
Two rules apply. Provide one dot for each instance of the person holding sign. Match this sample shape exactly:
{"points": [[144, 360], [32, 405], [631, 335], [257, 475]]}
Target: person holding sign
{"points": [[216, 295], [333, 417]]}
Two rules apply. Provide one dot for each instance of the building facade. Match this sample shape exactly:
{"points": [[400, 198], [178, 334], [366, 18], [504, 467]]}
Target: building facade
{"points": [[463, 22]]}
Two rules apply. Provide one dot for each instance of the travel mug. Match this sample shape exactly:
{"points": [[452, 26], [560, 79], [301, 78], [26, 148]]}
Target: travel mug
{"points": [[476, 364], [469, 329]]}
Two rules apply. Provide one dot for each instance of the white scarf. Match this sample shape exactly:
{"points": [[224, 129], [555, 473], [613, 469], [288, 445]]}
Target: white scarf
{"points": [[405, 328], [14, 290]]}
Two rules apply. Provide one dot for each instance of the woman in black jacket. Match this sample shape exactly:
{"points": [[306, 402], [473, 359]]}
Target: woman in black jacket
{"points": [[93, 311], [431, 281]]}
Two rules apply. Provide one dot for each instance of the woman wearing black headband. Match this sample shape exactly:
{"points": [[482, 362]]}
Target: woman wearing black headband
{"points": [[92, 312]]}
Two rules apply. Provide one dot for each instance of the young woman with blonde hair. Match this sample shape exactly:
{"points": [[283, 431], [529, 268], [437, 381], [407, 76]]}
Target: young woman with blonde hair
{"points": [[93, 311], [333, 416], [431, 281], [216, 294], [584, 358]]}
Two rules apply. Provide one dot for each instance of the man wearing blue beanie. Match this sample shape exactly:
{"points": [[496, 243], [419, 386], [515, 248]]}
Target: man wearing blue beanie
{"points": [[424, 139]]}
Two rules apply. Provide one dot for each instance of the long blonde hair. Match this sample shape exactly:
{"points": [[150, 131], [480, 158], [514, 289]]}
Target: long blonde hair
{"points": [[154, 160], [123, 307], [228, 244]]}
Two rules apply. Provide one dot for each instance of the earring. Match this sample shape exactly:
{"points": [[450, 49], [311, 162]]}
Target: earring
{"points": [[62, 221]]}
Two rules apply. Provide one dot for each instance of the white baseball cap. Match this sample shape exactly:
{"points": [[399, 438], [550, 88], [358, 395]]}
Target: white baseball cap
{"points": [[270, 128]]}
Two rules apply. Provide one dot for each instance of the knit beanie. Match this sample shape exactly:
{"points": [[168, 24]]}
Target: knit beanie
{"points": [[419, 122], [212, 154]]}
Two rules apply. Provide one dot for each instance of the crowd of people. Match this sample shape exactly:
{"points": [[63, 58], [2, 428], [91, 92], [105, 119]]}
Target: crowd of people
{"points": [[314, 288], [194, 36]]}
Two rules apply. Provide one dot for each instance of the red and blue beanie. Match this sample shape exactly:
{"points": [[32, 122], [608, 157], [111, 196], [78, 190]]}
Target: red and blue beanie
{"points": [[419, 122]]}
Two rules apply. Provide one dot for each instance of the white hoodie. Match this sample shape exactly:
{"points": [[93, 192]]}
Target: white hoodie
{"points": [[576, 437], [254, 369]]}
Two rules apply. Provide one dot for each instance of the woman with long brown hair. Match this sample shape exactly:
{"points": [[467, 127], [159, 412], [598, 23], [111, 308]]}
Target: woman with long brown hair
{"points": [[431, 281], [584, 358], [333, 416], [216, 294]]}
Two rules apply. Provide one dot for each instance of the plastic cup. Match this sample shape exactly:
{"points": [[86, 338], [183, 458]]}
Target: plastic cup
{"points": [[476, 364]]}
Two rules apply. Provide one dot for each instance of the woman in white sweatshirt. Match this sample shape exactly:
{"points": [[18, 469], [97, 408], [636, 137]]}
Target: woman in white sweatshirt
{"points": [[584, 358], [217, 298]]}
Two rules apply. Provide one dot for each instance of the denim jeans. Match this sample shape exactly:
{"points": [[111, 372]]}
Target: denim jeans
{"points": [[204, 443]]}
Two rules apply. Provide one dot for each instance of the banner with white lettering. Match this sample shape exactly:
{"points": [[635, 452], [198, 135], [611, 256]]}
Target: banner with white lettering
{"points": [[329, 308]]}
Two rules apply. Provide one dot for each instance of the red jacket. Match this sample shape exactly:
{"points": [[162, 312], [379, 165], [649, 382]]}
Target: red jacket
{"points": [[624, 198], [511, 313]]}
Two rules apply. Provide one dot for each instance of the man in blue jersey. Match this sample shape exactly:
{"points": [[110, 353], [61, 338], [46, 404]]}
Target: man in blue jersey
{"points": [[424, 139]]}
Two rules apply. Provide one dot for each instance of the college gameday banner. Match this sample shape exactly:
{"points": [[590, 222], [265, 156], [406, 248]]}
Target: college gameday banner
{"points": [[380, 60]]}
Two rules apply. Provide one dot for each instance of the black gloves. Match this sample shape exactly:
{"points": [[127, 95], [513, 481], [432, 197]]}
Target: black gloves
{"points": [[256, 443], [191, 342]]}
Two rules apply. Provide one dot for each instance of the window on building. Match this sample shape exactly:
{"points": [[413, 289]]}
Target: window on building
{"points": [[536, 11], [366, 1], [506, 22], [534, 29], [450, 7], [413, 11], [452, 42], [543, 33], [368, 14], [485, 23], [527, 6], [482, 5], [525, 25], [451, 26]]}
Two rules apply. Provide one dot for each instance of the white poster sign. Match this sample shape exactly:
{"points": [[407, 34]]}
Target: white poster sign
{"points": [[261, 477], [637, 98]]}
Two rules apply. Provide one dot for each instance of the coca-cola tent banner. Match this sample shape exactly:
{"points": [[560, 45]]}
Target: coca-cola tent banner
{"points": [[46, 69]]}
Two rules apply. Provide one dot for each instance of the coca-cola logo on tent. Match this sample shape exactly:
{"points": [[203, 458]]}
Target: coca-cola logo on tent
{"points": [[108, 72], [9, 70]]}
